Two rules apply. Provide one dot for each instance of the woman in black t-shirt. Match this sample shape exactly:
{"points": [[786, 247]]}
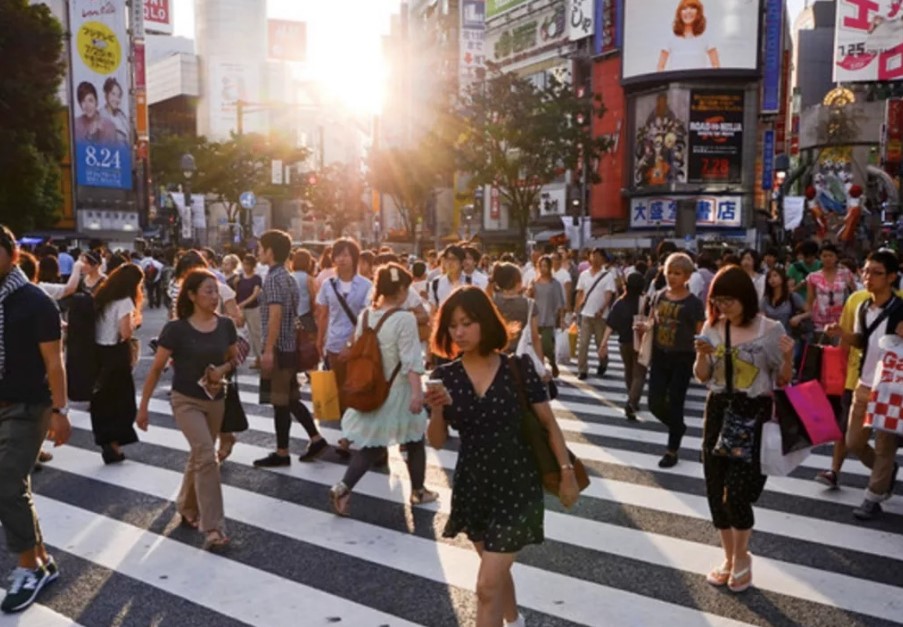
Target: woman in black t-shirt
{"points": [[202, 347]]}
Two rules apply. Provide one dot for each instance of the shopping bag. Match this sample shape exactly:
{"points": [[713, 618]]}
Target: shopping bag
{"points": [[810, 366], [562, 347], [324, 392], [833, 370], [573, 332], [815, 411], [644, 352], [885, 407], [772, 459], [306, 345], [793, 433]]}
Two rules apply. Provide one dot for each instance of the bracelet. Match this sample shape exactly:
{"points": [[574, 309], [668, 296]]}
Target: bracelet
{"points": [[567, 466]]}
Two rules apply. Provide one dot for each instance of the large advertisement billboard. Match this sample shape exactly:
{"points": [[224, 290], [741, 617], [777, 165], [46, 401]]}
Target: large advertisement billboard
{"points": [[158, 16], [101, 124], [868, 41], [472, 56], [497, 7], [693, 36], [660, 139], [716, 136], [287, 40]]}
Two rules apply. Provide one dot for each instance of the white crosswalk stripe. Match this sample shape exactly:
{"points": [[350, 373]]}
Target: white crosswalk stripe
{"points": [[634, 551]]}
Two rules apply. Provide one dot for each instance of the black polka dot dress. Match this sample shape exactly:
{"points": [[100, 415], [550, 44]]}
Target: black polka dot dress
{"points": [[497, 497]]}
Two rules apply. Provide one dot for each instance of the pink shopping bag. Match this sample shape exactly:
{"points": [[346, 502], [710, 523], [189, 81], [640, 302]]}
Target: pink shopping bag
{"points": [[815, 411]]}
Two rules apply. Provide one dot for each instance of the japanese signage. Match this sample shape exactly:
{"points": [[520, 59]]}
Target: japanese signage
{"points": [[472, 58], [526, 36], [714, 211], [102, 128], [868, 41], [158, 16], [689, 36], [716, 137], [580, 19], [107, 220], [768, 160], [497, 7], [771, 79], [286, 40], [608, 26]]}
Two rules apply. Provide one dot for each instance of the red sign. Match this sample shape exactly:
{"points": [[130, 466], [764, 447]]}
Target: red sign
{"points": [[287, 40], [157, 16], [495, 204], [605, 199], [893, 124]]}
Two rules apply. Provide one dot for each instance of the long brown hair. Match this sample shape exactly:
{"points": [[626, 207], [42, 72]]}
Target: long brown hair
{"points": [[123, 282], [698, 23]]}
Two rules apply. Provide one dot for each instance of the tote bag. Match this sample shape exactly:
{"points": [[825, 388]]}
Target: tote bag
{"points": [[885, 408], [773, 461], [815, 411], [525, 344]]}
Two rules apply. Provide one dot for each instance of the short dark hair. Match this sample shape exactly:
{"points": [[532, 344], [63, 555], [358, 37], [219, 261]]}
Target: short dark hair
{"points": [[828, 247], [453, 250], [473, 252], [886, 258], [806, 249], [476, 305], [278, 242], [189, 261], [109, 84], [367, 257], [191, 283], [49, 269], [418, 268], [733, 282], [249, 259], [85, 89], [752, 252], [506, 275], [346, 244]]}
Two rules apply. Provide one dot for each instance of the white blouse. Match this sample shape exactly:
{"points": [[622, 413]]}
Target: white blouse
{"points": [[106, 327]]}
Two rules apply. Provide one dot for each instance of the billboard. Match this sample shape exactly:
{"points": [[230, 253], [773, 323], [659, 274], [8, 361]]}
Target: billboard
{"points": [[661, 212], [868, 41], [286, 40], [497, 7], [524, 36], [472, 56], [232, 80], [695, 36], [580, 14], [660, 139], [715, 136], [158, 16], [101, 125]]}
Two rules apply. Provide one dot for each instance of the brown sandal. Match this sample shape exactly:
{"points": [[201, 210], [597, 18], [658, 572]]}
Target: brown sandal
{"points": [[215, 540], [339, 495]]}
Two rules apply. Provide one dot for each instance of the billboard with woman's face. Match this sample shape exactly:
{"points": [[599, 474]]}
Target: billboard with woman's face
{"points": [[689, 36]]}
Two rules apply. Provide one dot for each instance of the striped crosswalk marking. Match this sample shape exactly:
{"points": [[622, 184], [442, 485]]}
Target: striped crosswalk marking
{"points": [[634, 551]]}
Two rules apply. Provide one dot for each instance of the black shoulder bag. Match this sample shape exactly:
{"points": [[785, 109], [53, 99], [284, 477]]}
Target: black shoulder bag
{"points": [[737, 437], [343, 303]]}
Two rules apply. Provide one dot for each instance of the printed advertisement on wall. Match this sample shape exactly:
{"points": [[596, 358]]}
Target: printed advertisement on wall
{"points": [[158, 16], [868, 41], [101, 124], [471, 43], [524, 36], [660, 139], [716, 137], [497, 7], [287, 40], [232, 80], [695, 36]]}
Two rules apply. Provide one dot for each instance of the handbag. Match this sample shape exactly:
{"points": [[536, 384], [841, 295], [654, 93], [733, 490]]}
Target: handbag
{"points": [[793, 432], [810, 366], [814, 411], [772, 459], [537, 438], [737, 437], [234, 418], [243, 348], [644, 352], [306, 347], [525, 343]]}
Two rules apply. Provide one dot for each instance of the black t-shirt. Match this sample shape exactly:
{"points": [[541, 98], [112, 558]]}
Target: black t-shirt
{"points": [[30, 319], [193, 351], [676, 322], [620, 318]]}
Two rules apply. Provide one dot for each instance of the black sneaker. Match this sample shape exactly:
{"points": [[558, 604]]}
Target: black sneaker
{"points": [[24, 589], [272, 460], [314, 450], [631, 413], [668, 460], [53, 571], [582, 376], [869, 510]]}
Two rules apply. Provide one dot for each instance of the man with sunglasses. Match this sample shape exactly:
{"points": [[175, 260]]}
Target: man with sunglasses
{"points": [[879, 315], [32, 406]]}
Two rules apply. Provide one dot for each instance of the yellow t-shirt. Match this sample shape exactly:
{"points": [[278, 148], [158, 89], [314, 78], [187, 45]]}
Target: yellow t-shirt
{"points": [[848, 323]]}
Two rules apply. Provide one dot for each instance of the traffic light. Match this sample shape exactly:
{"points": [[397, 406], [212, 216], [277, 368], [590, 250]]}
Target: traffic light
{"points": [[312, 179]]}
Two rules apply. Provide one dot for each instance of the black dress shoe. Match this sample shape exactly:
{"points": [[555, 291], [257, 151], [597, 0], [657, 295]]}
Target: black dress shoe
{"points": [[314, 450], [273, 460], [110, 456], [582, 376]]}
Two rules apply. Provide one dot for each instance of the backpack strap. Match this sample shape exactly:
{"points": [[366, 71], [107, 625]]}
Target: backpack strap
{"points": [[376, 329], [435, 284]]}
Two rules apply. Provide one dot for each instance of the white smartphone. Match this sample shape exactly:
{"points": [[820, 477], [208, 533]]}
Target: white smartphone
{"points": [[434, 384]]}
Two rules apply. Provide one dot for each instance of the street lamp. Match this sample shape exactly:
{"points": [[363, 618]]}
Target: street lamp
{"points": [[188, 168]]}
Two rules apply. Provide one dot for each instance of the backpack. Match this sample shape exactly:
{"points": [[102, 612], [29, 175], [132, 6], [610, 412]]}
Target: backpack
{"points": [[150, 274], [365, 387], [81, 353]]}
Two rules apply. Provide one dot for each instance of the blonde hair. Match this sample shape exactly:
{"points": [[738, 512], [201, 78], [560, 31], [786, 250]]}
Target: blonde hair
{"points": [[232, 259], [680, 261]]}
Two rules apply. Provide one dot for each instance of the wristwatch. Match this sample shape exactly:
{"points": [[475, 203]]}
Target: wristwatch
{"points": [[62, 411]]}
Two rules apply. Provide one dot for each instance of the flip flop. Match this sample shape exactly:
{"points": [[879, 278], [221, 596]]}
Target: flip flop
{"points": [[718, 576], [742, 580]]}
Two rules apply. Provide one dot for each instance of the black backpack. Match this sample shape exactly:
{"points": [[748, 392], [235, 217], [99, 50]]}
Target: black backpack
{"points": [[81, 352]]}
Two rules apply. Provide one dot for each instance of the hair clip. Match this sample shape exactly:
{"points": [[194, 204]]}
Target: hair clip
{"points": [[393, 272]]}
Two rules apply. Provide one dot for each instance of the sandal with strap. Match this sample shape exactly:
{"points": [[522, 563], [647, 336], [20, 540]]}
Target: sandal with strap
{"points": [[215, 540], [423, 496], [339, 495], [225, 449], [719, 576], [742, 580], [188, 521]]}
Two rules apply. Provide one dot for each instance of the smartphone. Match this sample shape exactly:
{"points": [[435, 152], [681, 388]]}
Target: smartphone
{"points": [[433, 384], [703, 338]]}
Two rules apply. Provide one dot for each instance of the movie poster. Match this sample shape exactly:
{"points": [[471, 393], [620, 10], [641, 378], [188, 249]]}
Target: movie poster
{"points": [[660, 140], [716, 136]]}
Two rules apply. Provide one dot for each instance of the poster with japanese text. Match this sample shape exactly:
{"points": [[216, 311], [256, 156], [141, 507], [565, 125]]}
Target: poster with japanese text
{"points": [[101, 125], [868, 41], [716, 136]]}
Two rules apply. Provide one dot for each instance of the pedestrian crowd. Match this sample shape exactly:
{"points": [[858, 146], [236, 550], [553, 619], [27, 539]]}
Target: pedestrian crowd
{"points": [[364, 327]]}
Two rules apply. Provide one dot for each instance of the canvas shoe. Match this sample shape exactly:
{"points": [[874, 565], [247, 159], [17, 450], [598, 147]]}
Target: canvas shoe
{"points": [[869, 510], [24, 589], [828, 478]]}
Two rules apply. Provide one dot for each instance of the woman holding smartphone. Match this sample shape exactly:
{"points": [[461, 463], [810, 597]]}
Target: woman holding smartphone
{"points": [[497, 499], [400, 420], [202, 347]]}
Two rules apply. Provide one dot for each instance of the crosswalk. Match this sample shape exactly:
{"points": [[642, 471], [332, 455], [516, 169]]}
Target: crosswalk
{"points": [[633, 551]]}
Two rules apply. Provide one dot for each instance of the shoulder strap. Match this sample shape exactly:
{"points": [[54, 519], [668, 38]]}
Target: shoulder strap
{"points": [[889, 307], [601, 276], [728, 359], [379, 325], [343, 302], [514, 366], [435, 283]]}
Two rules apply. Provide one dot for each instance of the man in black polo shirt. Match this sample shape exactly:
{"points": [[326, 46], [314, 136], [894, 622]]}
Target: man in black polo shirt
{"points": [[32, 402]]}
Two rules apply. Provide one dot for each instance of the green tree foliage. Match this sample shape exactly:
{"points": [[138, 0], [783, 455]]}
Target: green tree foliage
{"points": [[337, 197], [31, 68], [519, 137]]}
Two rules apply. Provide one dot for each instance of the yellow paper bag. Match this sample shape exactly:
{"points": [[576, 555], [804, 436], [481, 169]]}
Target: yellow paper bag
{"points": [[324, 392]]}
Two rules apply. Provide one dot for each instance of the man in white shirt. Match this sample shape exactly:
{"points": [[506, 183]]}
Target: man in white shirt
{"points": [[596, 289], [441, 287], [879, 316], [530, 271], [472, 276]]}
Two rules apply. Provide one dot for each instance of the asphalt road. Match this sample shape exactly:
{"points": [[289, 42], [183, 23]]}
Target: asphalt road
{"points": [[633, 551]]}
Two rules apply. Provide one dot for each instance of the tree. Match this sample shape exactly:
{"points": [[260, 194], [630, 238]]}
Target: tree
{"points": [[30, 114], [410, 176], [337, 196], [519, 137]]}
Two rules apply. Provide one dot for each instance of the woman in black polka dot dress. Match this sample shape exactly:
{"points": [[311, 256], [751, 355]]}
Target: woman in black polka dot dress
{"points": [[497, 498]]}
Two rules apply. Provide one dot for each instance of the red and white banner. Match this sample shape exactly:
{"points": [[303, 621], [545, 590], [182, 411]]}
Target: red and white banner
{"points": [[868, 41], [158, 16]]}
